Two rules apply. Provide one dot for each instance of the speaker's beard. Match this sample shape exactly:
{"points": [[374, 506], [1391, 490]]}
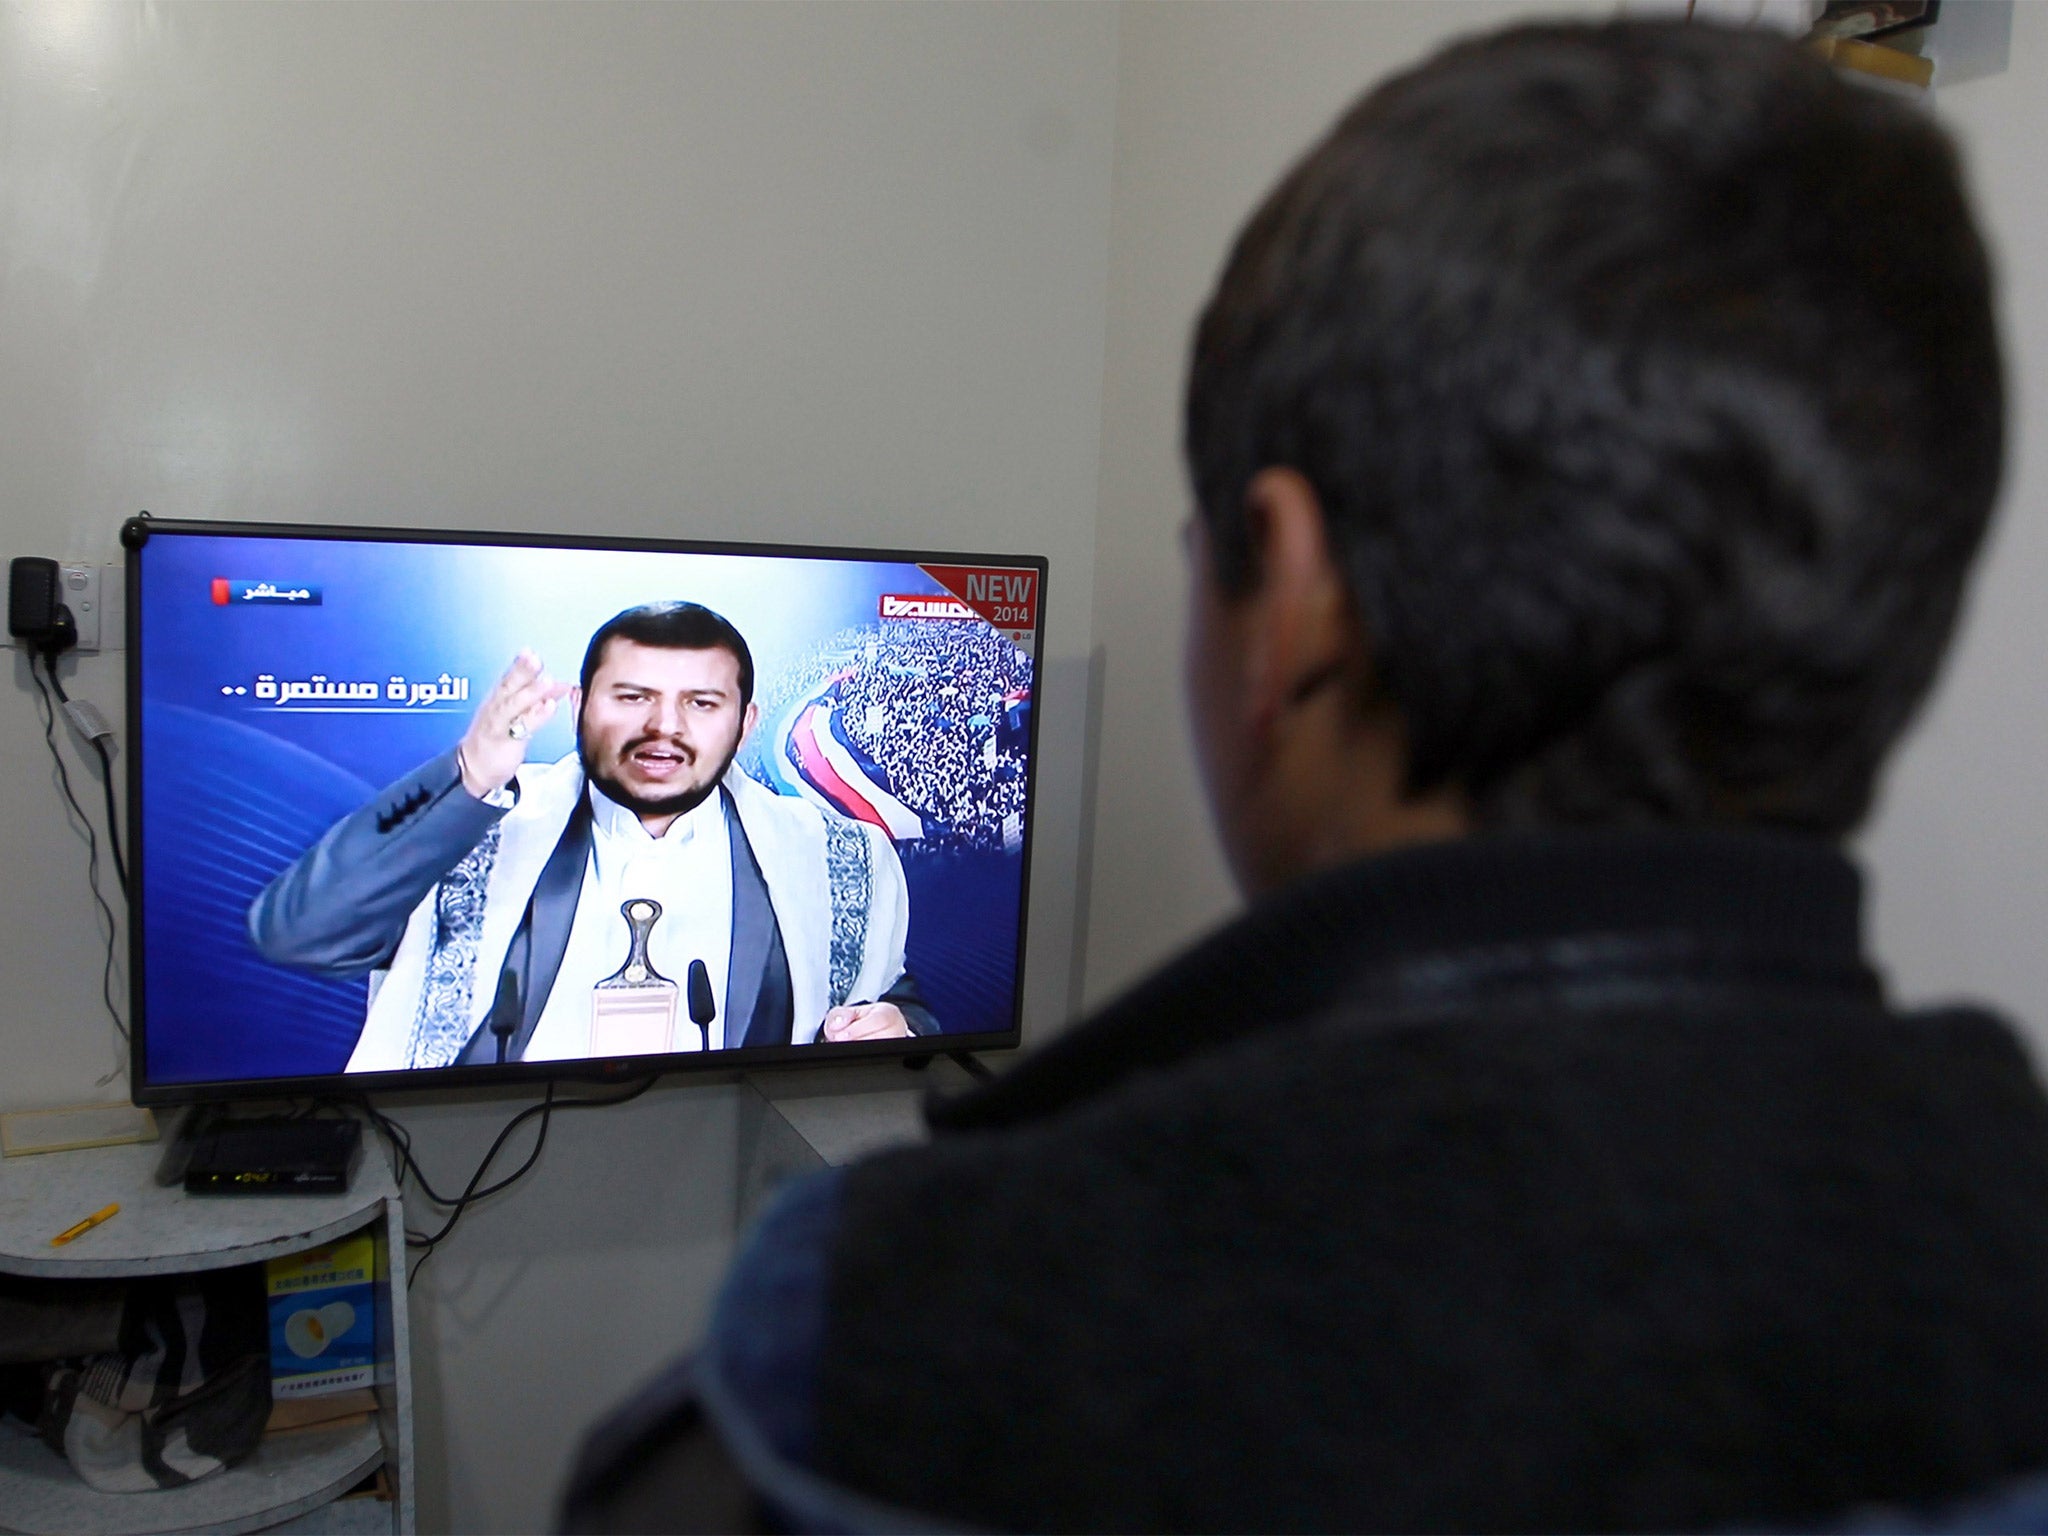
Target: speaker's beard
{"points": [[679, 804]]}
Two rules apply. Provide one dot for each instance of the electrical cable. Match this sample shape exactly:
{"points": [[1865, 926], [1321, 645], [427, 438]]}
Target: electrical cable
{"points": [[92, 844], [400, 1141], [99, 746], [113, 819]]}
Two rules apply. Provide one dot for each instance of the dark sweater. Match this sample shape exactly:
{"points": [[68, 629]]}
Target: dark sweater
{"points": [[1562, 1182]]}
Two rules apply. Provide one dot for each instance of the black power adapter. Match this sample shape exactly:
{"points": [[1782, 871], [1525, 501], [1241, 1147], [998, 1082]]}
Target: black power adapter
{"points": [[35, 612]]}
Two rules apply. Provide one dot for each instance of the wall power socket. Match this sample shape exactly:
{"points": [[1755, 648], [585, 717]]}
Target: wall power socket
{"points": [[93, 594], [78, 588]]}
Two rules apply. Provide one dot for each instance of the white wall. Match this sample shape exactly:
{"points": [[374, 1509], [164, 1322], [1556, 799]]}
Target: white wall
{"points": [[1958, 851], [808, 273]]}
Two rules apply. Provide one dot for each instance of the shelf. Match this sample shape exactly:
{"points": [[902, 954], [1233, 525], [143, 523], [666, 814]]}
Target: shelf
{"points": [[290, 1481], [288, 1474], [161, 1231]]}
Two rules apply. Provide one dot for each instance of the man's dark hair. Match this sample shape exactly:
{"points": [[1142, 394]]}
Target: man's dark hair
{"points": [[1647, 377], [673, 627]]}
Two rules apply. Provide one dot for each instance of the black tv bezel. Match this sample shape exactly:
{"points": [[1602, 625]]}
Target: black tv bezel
{"points": [[138, 531]]}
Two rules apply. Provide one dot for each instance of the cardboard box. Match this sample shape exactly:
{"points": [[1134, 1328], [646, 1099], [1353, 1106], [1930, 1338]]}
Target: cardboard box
{"points": [[323, 1320]]}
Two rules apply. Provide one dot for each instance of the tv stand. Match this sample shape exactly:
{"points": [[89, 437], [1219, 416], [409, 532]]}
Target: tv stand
{"points": [[795, 1121], [161, 1230], [194, 1121], [966, 1061]]}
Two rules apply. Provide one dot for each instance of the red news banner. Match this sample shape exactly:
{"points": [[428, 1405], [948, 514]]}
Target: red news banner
{"points": [[1006, 596]]}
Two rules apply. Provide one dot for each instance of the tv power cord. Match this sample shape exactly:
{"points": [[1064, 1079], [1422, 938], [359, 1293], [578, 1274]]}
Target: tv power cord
{"points": [[47, 629], [87, 720], [400, 1141]]}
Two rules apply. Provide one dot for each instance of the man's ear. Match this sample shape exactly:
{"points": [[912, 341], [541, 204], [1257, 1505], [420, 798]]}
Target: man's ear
{"points": [[748, 721], [1301, 636], [576, 704]]}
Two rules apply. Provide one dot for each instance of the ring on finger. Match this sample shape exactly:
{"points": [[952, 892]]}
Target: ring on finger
{"points": [[517, 730]]}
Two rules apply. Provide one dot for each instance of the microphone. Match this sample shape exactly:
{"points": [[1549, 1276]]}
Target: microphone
{"points": [[505, 1011], [702, 1009]]}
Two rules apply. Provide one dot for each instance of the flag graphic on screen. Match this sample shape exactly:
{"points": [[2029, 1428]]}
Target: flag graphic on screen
{"points": [[830, 770]]}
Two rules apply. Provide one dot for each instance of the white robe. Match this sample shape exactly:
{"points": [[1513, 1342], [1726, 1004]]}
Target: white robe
{"points": [[788, 838]]}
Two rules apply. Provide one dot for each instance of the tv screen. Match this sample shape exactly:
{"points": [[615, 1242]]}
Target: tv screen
{"points": [[425, 808]]}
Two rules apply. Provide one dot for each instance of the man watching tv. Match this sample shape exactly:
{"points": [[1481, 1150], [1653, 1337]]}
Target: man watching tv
{"points": [[489, 891], [1589, 439]]}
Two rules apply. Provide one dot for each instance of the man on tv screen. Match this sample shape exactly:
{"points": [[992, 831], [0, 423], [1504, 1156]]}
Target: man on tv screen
{"points": [[635, 896]]}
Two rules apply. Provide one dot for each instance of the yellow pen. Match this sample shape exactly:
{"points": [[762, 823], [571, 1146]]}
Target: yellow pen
{"points": [[83, 1227]]}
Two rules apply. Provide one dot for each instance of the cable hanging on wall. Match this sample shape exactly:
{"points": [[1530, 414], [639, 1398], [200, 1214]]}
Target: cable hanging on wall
{"points": [[46, 629], [400, 1142], [92, 845]]}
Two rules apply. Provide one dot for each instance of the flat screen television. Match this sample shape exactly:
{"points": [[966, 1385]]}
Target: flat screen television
{"points": [[422, 808]]}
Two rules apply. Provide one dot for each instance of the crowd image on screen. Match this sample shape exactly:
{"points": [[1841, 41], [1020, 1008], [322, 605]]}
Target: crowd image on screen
{"points": [[937, 711]]}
